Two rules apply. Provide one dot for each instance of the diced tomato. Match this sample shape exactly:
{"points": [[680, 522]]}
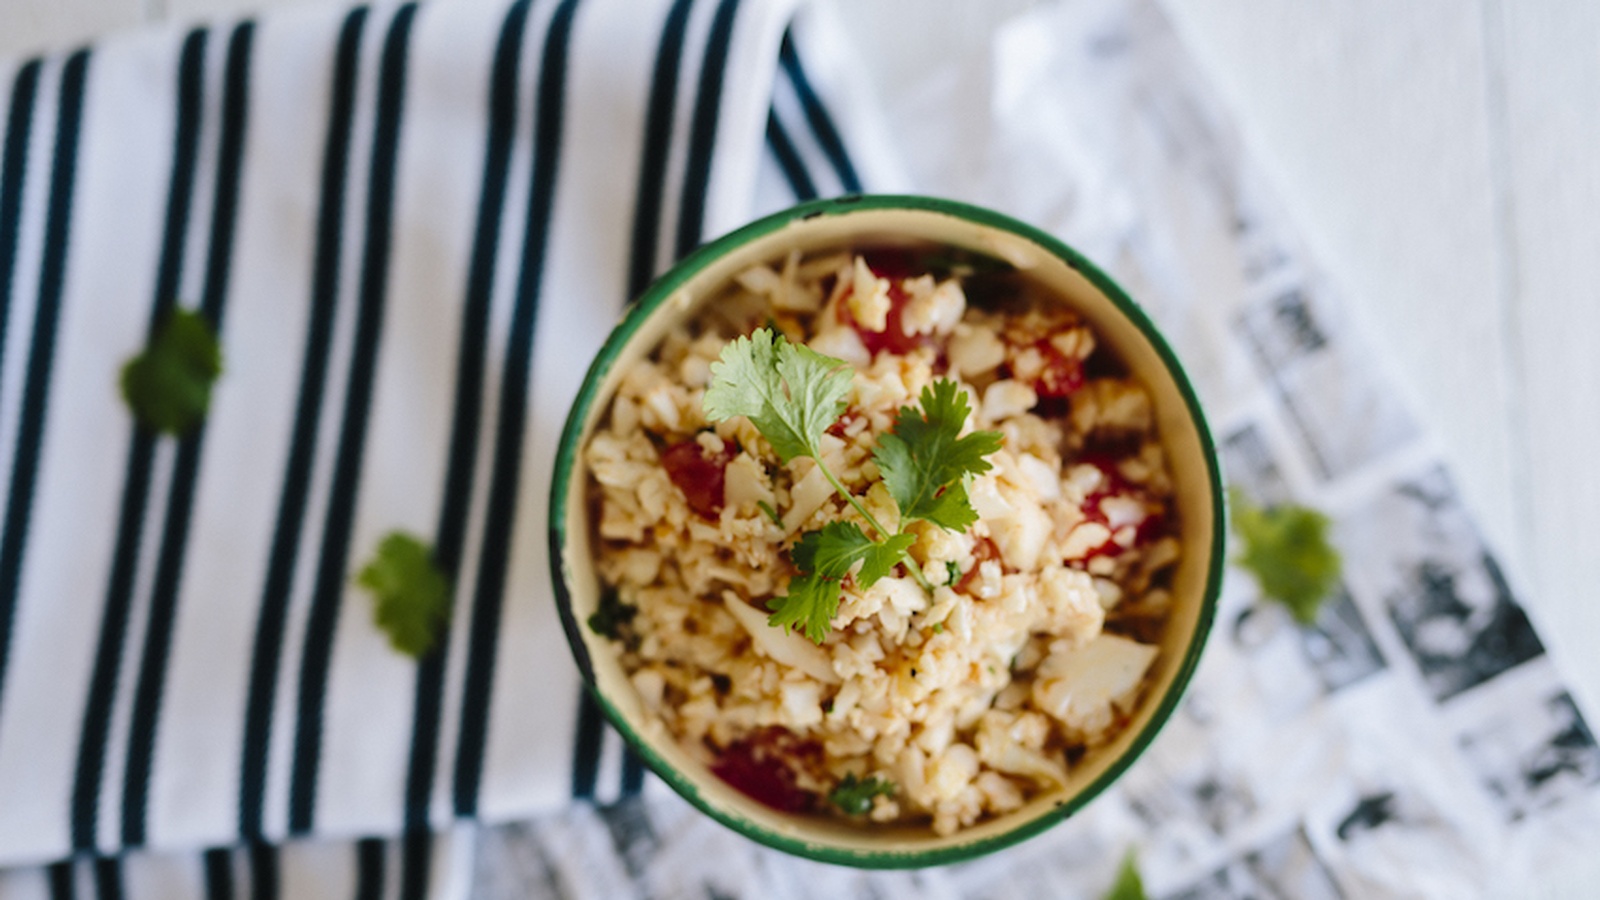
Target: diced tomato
{"points": [[1062, 374], [759, 768], [698, 474], [893, 338], [1113, 484], [983, 550]]}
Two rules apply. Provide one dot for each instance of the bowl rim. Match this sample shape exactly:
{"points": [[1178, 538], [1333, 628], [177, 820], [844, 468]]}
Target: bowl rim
{"points": [[566, 464]]}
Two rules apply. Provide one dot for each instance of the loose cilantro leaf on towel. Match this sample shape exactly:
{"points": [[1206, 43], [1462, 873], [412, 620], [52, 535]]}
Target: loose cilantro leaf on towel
{"points": [[168, 385], [411, 596], [854, 796], [1286, 548], [1128, 886], [925, 460], [789, 391]]}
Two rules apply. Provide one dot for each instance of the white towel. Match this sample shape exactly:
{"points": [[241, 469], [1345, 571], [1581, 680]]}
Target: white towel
{"points": [[412, 226]]}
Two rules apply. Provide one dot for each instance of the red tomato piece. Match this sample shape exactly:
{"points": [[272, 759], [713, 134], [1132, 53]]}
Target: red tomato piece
{"points": [[757, 768], [698, 474]]}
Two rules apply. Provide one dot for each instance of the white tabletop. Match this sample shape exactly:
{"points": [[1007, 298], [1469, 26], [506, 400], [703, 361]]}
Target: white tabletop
{"points": [[1439, 156]]}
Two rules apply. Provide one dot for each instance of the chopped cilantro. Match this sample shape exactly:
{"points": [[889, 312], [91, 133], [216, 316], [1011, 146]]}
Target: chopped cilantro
{"points": [[854, 796], [952, 572], [609, 617], [168, 385], [772, 514], [1286, 548], [938, 628], [411, 596]]}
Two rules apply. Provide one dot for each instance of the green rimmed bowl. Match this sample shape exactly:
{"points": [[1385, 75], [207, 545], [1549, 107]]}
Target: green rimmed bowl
{"points": [[875, 220]]}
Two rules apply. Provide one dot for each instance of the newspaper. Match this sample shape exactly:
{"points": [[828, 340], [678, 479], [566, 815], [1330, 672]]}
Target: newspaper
{"points": [[1414, 741]]}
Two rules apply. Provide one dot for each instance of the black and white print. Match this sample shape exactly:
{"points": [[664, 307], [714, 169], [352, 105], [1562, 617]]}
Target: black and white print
{"points": [[1252, 467], [1284, 869], [1339, 410], [1417, 549], [1534, 756]]}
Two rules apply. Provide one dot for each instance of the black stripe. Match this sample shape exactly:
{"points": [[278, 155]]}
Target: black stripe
{"points": [[657, 141], [464, 429], [416, 862], [219, 873], [794, 168], [108, 878], [512, 415], [63, 880], [369, 869], [13, 165], [817, 114], [13, 169], [264, 864], [141, 455], [632, 773], [331, 569], [268, 651], [703, 128], [186, 470], [586, 747]]}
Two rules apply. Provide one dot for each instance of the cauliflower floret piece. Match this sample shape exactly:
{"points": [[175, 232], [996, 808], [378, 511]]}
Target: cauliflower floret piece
{"points": [[1007, 398], [932, 308], [1111, 404], [1080, 687], [869, 298], [975, 350]]}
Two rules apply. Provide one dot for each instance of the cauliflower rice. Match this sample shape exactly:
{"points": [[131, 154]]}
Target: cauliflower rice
{"points": [[963, 704]]}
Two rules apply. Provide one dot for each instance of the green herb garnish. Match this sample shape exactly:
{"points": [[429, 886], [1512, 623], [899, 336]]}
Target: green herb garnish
{"points": [[952, 572], [772, 514], [611, 615], [1128, 886], [792, 394], [411, 596], [855, 796], [1286, 548], [168, 385]]}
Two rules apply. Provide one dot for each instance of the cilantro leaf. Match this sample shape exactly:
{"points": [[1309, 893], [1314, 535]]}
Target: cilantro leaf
{"points": [[168, 385], [831, 552], [810, 606], [411, 596], [1128, 886], [611, 616], [855, 796], [924, 459], [789, 391], [1286, 548]]}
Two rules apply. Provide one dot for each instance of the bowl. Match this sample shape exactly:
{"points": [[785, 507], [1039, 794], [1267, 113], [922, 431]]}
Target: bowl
{"points": [[1119, 322]]}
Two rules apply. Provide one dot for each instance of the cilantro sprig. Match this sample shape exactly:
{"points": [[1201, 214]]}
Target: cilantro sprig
{"points": [[1286, 548], [854, 796], [792, 394]]}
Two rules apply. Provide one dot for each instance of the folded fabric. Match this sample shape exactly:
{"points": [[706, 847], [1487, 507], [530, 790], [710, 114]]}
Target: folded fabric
{"points": [[411, 227]]}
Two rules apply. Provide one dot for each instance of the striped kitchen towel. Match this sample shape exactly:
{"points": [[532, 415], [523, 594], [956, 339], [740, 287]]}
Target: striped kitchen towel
{"points": [[411, 226]]}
